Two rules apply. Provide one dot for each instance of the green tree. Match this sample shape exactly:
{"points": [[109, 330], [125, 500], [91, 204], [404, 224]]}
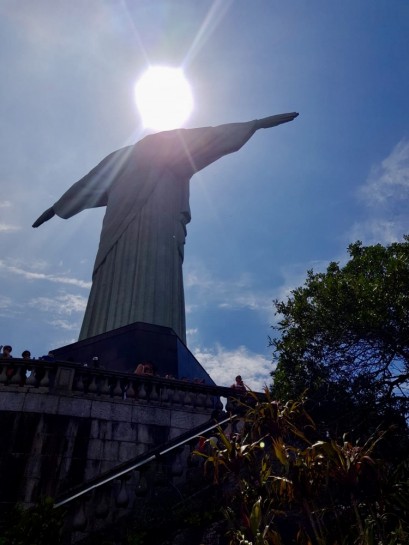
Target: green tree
{"points": [[344, 337]]}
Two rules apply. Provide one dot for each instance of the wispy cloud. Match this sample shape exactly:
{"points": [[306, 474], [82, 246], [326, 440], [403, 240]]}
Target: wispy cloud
{"points": [[5, 302], [65, 304], [378, 230], [234, 293], [6, 228], [65, 325], [386, 194], [390, 179], [191, 333], [30, 275], [384, 221], [224, 365]]}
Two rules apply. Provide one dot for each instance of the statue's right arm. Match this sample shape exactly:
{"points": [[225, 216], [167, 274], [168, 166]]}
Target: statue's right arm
{"points": [[91, 191], [274, 120], [45, 216], [197, 148]]}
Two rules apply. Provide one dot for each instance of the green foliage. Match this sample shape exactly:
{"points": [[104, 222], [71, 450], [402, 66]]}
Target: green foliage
{"points": [[282, 484], [40, 525], [344, 337]]}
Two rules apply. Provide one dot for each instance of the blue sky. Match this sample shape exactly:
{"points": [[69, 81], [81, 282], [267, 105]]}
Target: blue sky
{"points": [[292, 199]]}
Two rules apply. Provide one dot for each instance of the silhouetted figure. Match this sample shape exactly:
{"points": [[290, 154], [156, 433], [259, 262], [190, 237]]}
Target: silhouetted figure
{"points": [[48, 357], [238, 386], [6, 354]]}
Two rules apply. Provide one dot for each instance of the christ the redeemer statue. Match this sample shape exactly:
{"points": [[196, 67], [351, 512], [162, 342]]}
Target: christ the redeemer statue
{"points": [[137, 274]]}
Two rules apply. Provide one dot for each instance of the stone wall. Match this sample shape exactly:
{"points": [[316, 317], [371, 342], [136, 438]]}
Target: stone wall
{"points": [[62, 424]]}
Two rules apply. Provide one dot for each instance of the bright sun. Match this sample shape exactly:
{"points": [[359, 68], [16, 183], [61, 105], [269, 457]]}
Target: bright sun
{"points": [[164, 98]]}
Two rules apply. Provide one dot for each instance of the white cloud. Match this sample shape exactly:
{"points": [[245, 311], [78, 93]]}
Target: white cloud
{"points": [[64, 324], [5, 204], [5, 228], [69, 339], [5, 302], [189, 308], [249, 300], [30, 275], [236, 293], [61, 304], [386, 193], [224, 365], [37, 265], [378, 231], [191, 334], [390, 179]]}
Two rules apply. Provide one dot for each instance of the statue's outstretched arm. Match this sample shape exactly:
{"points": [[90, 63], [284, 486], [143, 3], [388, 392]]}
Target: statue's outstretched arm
{"points": [[194, 149], [274, 120], [45, 216]]}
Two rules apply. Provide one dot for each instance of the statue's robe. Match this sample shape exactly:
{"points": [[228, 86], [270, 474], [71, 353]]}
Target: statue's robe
{"points": [[137, 274]]}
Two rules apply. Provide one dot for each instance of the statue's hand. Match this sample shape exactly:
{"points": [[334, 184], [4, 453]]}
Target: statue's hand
{"points": [[275, 120], [45, 216]]}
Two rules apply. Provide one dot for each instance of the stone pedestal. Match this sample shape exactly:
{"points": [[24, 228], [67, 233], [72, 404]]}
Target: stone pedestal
{"points": [[124, 348]]}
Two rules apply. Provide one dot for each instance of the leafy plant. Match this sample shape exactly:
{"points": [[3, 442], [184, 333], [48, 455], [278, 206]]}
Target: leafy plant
{"points": [[282, 484], [40, 525]]}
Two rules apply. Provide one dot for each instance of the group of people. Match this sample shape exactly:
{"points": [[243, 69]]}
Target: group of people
{"points": [[147, 368], [5, 354], [25, 355], [7, 350]]}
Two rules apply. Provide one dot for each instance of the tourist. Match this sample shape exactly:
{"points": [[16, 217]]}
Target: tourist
{"points": [[145, 368], [238, 386], [6, 354]]}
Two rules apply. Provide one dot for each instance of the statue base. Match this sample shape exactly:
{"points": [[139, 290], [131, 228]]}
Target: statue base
{"points": [[124, 348]]}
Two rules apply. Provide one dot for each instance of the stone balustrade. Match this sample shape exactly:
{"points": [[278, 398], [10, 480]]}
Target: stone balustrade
{"points": [[71, 378]]}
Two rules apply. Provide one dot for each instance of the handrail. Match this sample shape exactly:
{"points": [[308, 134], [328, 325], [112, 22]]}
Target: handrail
{"points": [[139, 461]]}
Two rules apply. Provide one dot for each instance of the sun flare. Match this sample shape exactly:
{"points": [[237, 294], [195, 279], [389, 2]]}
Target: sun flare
{"points": [[164, 98]]}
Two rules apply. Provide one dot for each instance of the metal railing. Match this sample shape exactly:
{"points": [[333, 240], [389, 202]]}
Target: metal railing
{"points": [[139, 461]]}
